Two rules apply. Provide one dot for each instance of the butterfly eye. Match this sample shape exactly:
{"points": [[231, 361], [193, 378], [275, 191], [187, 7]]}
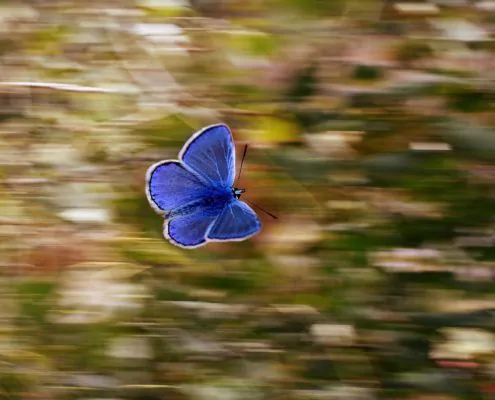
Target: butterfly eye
{"points": [[237, 192]]}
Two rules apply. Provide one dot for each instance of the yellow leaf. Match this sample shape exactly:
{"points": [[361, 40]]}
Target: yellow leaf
{"points": [[274, 130]]}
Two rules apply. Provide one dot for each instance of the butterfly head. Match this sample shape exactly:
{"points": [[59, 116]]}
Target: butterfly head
{"points": [[237, 192]]}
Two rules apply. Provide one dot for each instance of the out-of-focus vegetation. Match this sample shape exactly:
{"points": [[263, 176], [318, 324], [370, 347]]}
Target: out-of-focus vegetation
{"points": [[372, 137]]}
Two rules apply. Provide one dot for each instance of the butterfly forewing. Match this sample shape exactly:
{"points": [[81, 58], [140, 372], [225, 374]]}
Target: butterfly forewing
{"points": [[171, 186], [211, 154]]}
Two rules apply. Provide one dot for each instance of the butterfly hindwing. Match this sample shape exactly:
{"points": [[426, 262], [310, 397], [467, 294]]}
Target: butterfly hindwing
{"points": [[211, 154], [237, 221], [189, 231], [170, 185]]}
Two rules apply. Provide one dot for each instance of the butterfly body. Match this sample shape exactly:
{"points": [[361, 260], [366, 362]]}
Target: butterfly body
{"points": [[210, 203], [196, 193]]}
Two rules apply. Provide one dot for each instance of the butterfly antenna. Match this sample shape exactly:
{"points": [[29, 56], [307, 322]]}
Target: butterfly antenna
{"points": [[242, 162], [237, 181], [261, 209]]}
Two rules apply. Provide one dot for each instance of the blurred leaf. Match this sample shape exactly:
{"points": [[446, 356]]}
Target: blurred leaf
{"points": [[315, 8], [92, 343], [274, 130], [468, 319], [469, 100], [153, 252], [304, 84], [34, 296], [367, 73], [241, 93], [49, 39], [252, 42], [156, 9], [393, 164], [6, 45], [300, 165], [134, 209], [168, 131], [470, 138], [413, 232], [410, 51], [13, 384]]}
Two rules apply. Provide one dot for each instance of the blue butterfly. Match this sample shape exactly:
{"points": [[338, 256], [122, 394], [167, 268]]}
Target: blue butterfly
{"points": [[196, 194]]}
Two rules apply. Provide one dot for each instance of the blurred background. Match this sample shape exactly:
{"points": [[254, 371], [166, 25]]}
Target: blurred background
{"points": [[371, 127]]}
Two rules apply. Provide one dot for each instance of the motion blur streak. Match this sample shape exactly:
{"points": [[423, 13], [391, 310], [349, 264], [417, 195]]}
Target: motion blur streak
{"points": [[371, 132]]}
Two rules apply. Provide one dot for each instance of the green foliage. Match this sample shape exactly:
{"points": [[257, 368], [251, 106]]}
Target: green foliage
{"points": [[151, 252], [12, 385], [415, 232], [314, 8], [48, 40], [367, 73], [168, 11], [242, 93], [410, 51], [93, 341], [320, 369], [6, 45], [35, 296], [469, 100], [164, 132], [253, 43], [304, 85], [241, 280], [133, 208], [469, 138]]}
